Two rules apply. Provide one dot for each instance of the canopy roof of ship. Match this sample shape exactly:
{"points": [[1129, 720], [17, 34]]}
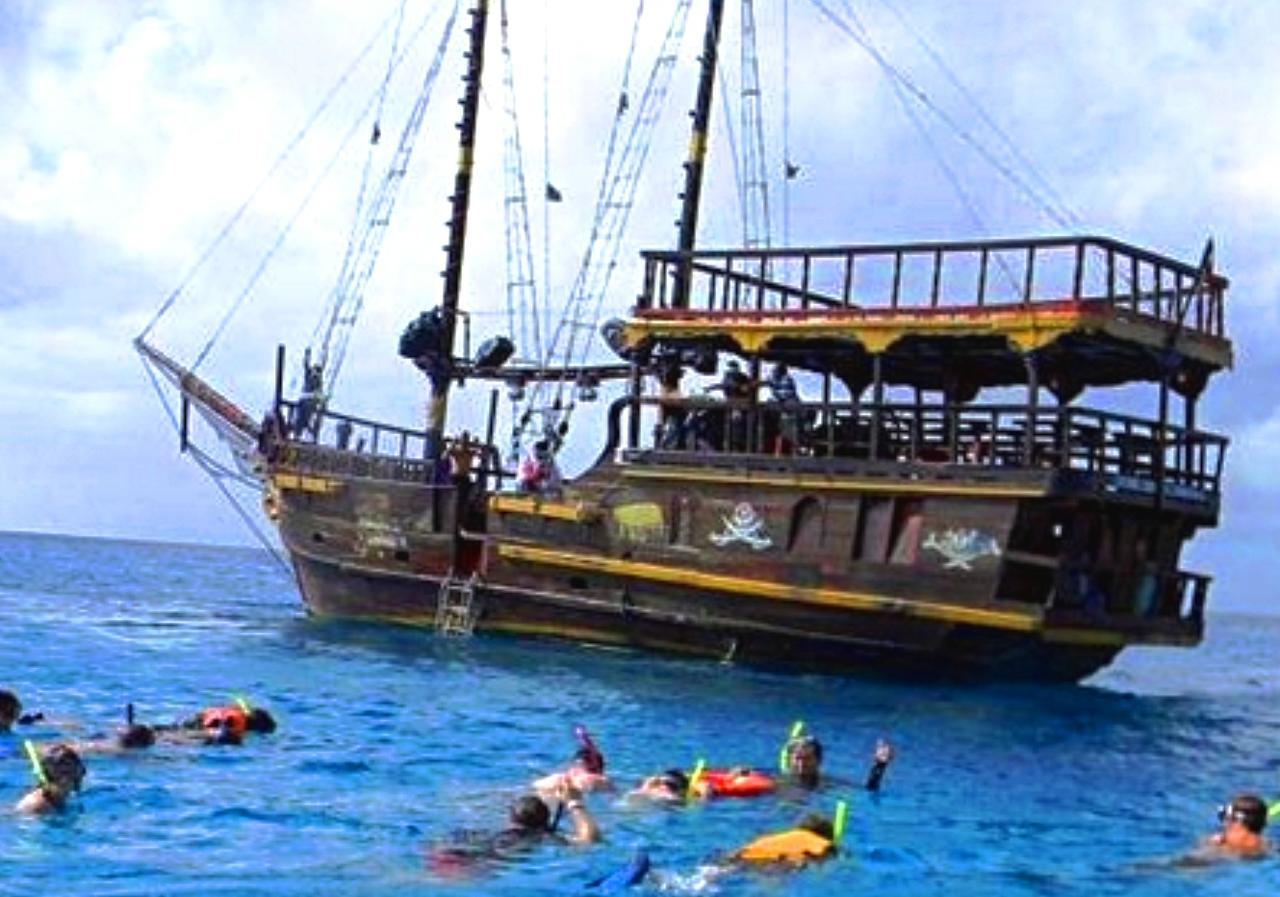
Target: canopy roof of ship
{"points": [[949, 316]]}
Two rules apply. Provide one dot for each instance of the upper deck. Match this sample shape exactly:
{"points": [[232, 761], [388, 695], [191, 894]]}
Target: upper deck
{"points": [[1094, 311]]}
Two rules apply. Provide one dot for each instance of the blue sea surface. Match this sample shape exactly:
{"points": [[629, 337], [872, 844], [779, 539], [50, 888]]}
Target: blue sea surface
{"points": [[392, 739]]}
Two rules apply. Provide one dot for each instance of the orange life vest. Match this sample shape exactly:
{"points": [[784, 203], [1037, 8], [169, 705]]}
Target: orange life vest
{"points": [[795, 846], [232, 717]]}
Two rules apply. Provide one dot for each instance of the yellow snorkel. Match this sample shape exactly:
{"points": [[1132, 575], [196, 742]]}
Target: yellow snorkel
{"points": [[242, 704], [837, 826], [37, 768], [797, 729], [696, 776]]}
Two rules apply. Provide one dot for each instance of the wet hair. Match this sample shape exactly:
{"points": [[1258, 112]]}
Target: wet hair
{"points": [[805, 742], [137, 736], [1250, 811], [819, 825], [10, 706], [260, 720], [591, 760], [63, 767], [675, 780], [530, 813]]}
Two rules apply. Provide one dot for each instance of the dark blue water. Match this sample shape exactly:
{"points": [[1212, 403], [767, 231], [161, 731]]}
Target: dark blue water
{"points": [[391, 738]]}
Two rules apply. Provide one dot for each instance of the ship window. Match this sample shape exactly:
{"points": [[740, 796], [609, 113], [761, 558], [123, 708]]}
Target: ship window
{"points": [[807, 526], [871, 540], [317, 537], [908, 515], [402, 555]]}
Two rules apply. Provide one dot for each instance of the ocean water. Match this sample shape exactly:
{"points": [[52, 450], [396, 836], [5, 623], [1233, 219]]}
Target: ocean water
{"points": [[392, 739]]}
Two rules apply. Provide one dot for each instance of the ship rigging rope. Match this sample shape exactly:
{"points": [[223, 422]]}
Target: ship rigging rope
{"points": [[239, 213], [982, 113], [349, 293], [739, 189], [895, 74], [284, 231], [521, 275], [216, 472], [614, 202], [940, 159], [374, 139]]}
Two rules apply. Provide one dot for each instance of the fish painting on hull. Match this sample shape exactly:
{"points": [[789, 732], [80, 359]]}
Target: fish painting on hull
{"points": [[961, 547]]}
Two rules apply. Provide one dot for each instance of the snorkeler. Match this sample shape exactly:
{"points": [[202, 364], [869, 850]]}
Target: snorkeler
{"points": [[219, 725], [530, 822], [669, 787], [132, 737], [11, 712], [1240, 837], [812, 839], [803, 760], [585, 772], [59, 773]]}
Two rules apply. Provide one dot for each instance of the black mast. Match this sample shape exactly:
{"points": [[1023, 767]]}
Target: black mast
{"points": [[441, 378], [693, 168]]}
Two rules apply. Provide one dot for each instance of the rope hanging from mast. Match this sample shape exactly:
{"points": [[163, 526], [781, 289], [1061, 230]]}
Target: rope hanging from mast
{"points": [[619, 183], [524, 321], [891, 71], [301, 207], [275, 166], [348, 296]]}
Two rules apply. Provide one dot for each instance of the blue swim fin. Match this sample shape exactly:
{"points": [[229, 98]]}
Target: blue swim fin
{"points": [[624, 877]]}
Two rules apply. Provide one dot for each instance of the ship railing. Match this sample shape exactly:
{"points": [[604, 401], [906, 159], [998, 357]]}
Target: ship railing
{"points": [[326, 441], [941, 277], [1130, 453], [1139, 596]]}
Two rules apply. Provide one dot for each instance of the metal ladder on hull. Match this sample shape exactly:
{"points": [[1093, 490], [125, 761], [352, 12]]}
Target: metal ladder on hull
{"points": [[455, 611]]}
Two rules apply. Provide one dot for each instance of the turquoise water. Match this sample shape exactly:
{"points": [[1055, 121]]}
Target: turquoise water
{"points": [[392, 738]]}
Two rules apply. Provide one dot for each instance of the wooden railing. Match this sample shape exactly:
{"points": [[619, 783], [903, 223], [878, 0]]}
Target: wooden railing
{"points": [[329, 442], [1073, 438], [918, 277]]}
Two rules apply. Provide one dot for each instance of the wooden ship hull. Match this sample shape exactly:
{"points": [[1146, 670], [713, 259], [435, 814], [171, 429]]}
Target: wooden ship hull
{"points": [[958, 539]]}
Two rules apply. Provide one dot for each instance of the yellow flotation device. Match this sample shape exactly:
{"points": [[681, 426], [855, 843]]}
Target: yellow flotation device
{"points": [[794, 846]]}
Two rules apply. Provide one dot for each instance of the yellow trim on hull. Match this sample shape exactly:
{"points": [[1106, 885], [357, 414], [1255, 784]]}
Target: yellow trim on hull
{"points": [[865, 484], [303, 483], [573, 511], [1026, 330], [1028, 621]]}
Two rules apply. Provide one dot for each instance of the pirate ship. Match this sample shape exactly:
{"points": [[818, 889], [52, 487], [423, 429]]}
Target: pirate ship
{"points": [[937, 498]]}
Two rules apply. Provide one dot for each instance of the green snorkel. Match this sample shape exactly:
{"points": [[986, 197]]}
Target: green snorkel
{"points": [[37, 767], [837, 826], [1273, 810], [696, 776], [797, 729], [242, 704]]}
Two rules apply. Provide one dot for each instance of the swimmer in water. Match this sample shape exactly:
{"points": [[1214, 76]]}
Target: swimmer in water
{"points": [[804, 760], [530, 822], [218, 725], [60, 773], [813, 839], [585, 772], [670, 787], [11, 712], [1240, 837], [132, 737]]}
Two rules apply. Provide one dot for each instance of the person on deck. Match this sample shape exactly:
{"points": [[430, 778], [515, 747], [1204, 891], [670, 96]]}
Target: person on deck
{"points": [[782, 391]]}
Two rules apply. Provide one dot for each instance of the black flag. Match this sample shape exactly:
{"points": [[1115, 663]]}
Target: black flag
{"points": [[553, 195]]}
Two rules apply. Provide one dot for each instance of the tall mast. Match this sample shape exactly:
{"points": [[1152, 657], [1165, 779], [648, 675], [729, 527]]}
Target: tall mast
{"points": [[693, 168], [441, 378]]}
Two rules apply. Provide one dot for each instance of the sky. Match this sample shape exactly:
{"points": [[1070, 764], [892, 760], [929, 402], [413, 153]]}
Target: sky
{"points": [[133, 132]]}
